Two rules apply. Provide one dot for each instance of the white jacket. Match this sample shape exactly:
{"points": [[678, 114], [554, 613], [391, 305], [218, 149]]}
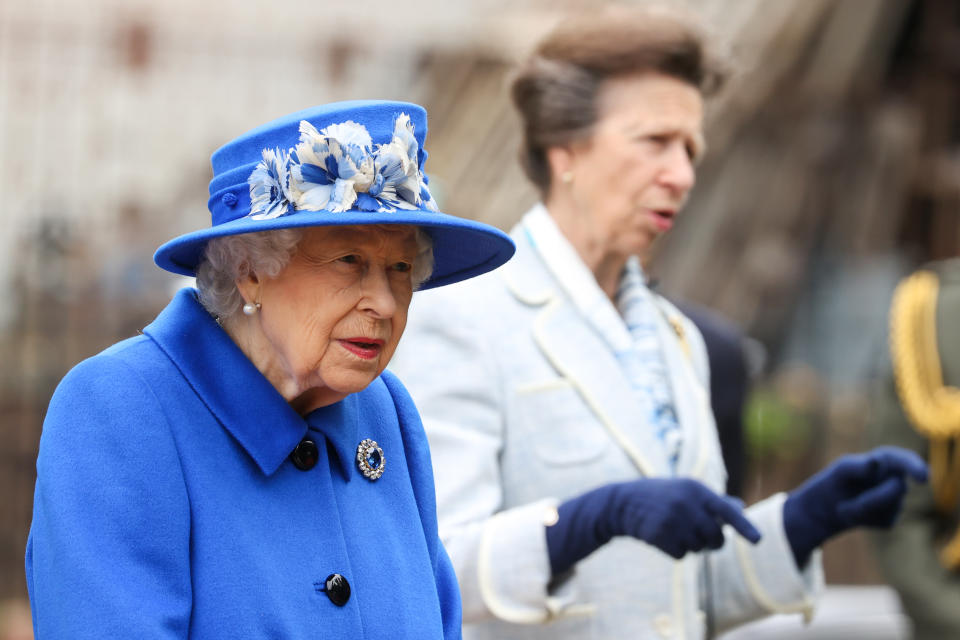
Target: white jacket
{"points": [[525, 406]]}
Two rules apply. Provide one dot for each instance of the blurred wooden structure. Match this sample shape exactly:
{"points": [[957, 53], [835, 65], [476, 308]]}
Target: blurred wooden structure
{"points": [[838, 141]]}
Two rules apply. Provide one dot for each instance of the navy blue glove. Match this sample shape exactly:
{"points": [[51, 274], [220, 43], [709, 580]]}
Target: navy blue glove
{"points": [[676, 515], [864, 489]]}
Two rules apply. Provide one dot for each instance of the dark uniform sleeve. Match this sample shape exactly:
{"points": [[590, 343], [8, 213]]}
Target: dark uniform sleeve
{"points": [[108, 552], [729, 382]]}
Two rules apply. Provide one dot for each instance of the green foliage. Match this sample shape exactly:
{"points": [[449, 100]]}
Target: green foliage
{"points": [[774, 427]]}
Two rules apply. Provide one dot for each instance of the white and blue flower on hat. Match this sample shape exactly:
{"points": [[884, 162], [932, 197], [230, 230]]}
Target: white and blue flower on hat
{"points": [[337, 169], [398, 175], [330, 166], [270, 195]]}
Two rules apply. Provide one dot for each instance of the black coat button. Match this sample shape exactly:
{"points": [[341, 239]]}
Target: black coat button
{"points": [[305, 455], [337, 589]]}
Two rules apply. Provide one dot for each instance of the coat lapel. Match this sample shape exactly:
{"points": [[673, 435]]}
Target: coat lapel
{"points": [[582, 357], [690, 399]]}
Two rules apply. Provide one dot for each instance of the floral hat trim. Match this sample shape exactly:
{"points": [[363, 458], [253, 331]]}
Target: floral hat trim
{"points": [[338, 169]]}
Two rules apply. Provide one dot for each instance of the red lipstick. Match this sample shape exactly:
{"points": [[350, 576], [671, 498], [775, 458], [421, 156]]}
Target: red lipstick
{"points": [[366, 348], [662, 218]]}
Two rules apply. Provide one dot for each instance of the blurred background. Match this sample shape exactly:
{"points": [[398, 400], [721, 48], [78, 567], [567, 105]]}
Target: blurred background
{"points": [[833, 169]]}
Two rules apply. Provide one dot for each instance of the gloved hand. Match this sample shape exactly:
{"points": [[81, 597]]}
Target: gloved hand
{"points": [[676, 515], [855, 490]]}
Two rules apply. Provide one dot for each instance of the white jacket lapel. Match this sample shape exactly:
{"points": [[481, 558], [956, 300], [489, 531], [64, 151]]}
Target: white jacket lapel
{"points": [[584, 359], [691, 401]]}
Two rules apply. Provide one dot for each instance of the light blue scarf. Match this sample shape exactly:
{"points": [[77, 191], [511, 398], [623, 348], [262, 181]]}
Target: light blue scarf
{"points": [[643, 364]]}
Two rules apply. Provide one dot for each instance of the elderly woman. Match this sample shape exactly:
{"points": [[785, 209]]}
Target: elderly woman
{"points": [[578, 471], [245, 468]]}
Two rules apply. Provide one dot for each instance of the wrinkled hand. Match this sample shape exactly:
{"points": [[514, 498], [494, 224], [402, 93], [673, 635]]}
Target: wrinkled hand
{"points": [[864, 489], [676, 515]]}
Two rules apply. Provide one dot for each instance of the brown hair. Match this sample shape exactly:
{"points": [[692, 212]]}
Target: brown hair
{"points": [[555, 89]]}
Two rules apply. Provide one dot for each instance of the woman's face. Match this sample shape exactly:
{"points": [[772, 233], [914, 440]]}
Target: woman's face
{"points": [[335, 313], [633, 174]]}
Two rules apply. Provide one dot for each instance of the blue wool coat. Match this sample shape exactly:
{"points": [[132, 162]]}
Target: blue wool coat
{"points": [[166, 505]]}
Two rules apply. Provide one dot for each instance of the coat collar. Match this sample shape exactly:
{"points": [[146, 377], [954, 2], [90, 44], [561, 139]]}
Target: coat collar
{"points": [[238, 395], [340, 425], [526, 274]]}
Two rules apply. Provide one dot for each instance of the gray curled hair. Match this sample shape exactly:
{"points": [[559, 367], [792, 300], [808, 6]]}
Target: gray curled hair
{"points": [[231, 258]]}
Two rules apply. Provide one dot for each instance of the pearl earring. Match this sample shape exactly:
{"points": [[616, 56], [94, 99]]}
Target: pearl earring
{"points": [[567, 177], [251, 308]]}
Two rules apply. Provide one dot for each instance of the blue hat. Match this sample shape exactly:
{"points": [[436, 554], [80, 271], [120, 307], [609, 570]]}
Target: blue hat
{"points": [[345, 163]]}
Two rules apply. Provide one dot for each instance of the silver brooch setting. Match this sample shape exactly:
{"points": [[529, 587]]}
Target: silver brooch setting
{"points": [[370, 459]]}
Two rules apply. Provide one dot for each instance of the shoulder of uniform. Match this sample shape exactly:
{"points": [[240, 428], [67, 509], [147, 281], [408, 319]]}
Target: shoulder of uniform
{"points": [[932, 407], [947, 271]]}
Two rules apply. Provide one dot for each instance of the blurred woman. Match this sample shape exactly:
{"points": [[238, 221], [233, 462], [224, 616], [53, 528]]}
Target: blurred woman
{"points": [[245, 468], [578, 471]]}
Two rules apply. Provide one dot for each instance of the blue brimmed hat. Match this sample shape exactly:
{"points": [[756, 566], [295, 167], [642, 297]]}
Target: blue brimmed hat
{"points": [[345, 163]]}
